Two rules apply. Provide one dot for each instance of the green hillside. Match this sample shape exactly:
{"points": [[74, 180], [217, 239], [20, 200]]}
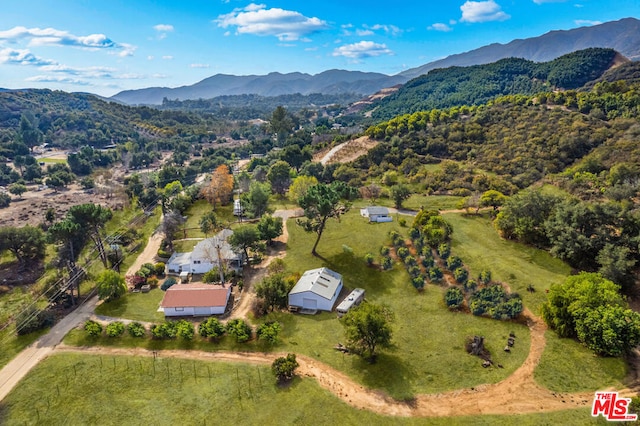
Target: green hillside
{"points": [[474, 85]]}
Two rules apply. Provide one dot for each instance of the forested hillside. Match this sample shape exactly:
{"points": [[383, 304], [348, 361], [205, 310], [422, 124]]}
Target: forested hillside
{"points": [[519, 139], [474, 85]]}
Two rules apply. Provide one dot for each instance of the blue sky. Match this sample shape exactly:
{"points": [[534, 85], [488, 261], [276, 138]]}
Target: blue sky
{"points": [[104, 47]]}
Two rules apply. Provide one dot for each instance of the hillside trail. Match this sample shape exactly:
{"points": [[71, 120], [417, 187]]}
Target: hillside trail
{"points": [[517, 394]]}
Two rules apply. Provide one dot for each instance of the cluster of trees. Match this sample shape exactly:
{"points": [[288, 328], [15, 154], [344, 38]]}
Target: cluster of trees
{"points": [[474, 85], [590, 308], [584, 234]]}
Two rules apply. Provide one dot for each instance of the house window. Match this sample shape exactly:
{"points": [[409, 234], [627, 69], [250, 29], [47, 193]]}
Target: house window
{"points": [[179, 309], [196, 262]]}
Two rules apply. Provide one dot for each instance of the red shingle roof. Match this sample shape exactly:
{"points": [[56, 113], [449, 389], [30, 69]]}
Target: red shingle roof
{"points": [[195, 295]]}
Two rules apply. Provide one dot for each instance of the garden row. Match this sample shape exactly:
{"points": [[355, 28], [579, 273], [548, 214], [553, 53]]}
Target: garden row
{"points": [[211, 329]]}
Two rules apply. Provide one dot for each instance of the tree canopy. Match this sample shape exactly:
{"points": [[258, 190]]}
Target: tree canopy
{"points": [[367, 328]]}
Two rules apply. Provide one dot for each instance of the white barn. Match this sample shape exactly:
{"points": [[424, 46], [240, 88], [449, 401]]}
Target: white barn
{"points": [[376, 214], [195, 300], [317, 289], [204, 256]]}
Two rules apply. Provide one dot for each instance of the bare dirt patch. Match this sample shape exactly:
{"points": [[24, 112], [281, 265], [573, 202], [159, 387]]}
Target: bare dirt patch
{"points": [[346, 152], [31, 208]]}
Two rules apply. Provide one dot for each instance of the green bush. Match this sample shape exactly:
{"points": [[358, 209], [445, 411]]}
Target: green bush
{"points": [[135, 329], [212, 328], [444, 250], [93, 328], [461, 275], [184, 329], [418, 282], [166, 330], [387, 263], [369, 258], [427, 262], [494, 302], [115, 329], [269, 332], [453, 297], [163, 254], [402, 253], [453, 263], [384, 250], [435, 274], [153, 282], [485, 276], [159, 268], [239, 329], [32, 319], [402, 222]]}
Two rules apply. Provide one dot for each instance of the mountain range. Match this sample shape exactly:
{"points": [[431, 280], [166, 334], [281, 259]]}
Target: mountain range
{"points": [[622, 35]]}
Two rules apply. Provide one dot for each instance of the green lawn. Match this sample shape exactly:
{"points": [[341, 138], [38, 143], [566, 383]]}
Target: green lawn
{"points": [[558, 369], [479, 245], [115, 390], [12, 344], [135, 306], [197, 210], [415, 201], [421, 360]]}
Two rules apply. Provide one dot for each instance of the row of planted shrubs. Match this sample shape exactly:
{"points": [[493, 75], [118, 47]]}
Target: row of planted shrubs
{"points": [[211, 329]]}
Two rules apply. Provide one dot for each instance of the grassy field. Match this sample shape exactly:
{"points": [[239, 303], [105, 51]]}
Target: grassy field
{"points": [[174, 391], [422, 358], [480, 247], [197, 210], [429, 202], [135, 306], [557, 368]]}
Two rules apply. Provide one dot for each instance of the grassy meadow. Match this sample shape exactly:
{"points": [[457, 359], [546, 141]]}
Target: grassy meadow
{"points": [[125, 390]]}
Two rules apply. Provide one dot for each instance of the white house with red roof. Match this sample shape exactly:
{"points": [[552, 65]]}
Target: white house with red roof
{"points": [[196, 299]]}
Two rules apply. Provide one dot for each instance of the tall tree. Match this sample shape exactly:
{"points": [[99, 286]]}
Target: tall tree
{"points": [[244, 238], [269, 227], [72, 238], [320, 203], [274, 290], [300, 185], [399, 193], [92, 218], [279, 176], [209, 223], [110, 285], [256, 200], [281, 123], [220, 189], [368, 327]]}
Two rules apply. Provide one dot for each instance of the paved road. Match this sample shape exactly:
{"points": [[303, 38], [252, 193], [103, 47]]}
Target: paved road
{"points": [[15, 370]]}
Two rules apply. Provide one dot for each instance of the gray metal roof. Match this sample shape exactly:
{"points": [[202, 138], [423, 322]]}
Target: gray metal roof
{"points": [[207, 249], [376, 210], [321, 281]]}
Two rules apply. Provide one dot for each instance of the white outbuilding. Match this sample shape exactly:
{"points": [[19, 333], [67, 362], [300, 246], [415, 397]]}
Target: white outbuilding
{"points": [[376, 214], [316, 290], [195, 300]]}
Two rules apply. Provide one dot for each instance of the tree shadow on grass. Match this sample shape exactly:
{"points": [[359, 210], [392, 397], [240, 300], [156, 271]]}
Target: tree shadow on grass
{"points": [[388, 374]]}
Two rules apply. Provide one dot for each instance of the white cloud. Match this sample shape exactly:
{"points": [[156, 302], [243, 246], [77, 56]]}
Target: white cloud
{"points": [[482, 11], [440, 27], [167, 57], [22, 57], [256, 19], [54, 37], [150, 58], [57, 79], [363, 33], [199, 66], [586, 22], [163, 28], [548, 1], [389, 29], [362, 49]]}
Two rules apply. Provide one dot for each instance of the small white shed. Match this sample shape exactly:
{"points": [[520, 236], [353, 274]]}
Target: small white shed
{"points": [[376, 214], [195, 300], [353, 299], [316, 290]]}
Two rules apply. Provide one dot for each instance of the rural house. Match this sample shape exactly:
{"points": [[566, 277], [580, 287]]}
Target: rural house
{"points": [[376, 214], [317, 289], [195, 300], [204, 256]]}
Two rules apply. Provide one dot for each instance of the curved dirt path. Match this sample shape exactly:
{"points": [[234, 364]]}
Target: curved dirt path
{"points": [[257, 273], [148, 254], [517, 394]]}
